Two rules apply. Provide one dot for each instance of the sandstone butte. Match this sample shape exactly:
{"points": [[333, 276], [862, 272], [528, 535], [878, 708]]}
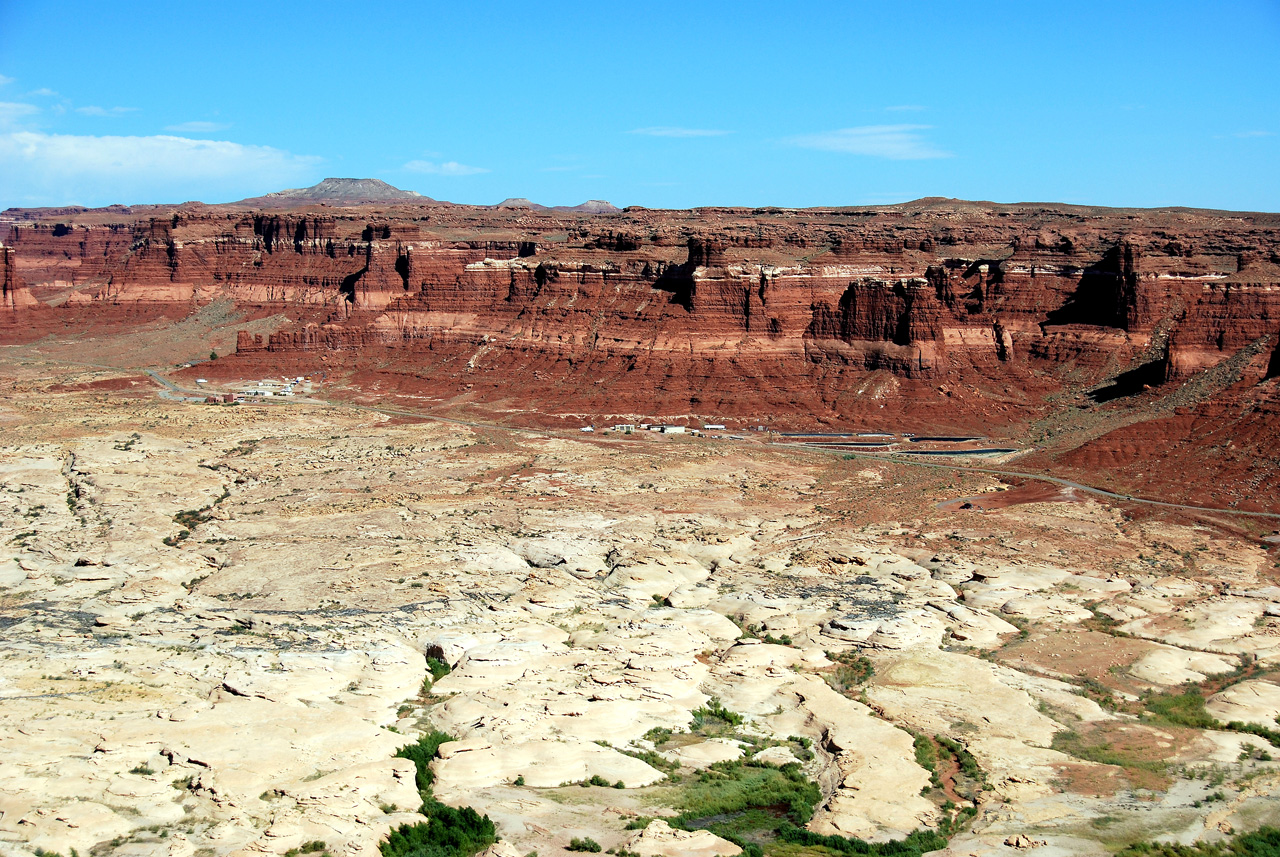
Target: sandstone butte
{"points": [[1132, 343]]}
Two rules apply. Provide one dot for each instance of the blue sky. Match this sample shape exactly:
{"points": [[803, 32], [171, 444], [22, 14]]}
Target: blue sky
{"points": [[658, 104]]}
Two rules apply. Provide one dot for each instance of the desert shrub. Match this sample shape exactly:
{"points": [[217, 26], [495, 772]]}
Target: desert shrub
{"points": [[447, 832], [585, 844], [968, 764], [852, 670], [653, 760], [658, 735], [1272, 736], [713, 714]]}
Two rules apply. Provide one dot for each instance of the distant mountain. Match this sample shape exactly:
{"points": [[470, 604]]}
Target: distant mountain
{"points": [[520, 202], [335, 191], [591, 206], [340, 192]]}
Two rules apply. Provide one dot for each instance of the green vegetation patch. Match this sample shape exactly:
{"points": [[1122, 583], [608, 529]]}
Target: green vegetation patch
{"points": [[912, 845], [746, 802], [1187, 708], [1263, 842], [852, 671], [447, 832]]}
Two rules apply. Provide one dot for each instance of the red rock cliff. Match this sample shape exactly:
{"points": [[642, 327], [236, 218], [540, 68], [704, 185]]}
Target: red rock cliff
{"points": [[697, 311]]}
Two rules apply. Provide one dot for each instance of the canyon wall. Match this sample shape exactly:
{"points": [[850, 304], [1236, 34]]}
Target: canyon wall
{"points": [[712, 309]]}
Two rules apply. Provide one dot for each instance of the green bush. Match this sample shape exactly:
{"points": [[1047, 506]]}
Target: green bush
{"points": [[914, 844], [714, 712], [421, 755], [439, 669], [964, 758], [587, 844], [448, 832]]}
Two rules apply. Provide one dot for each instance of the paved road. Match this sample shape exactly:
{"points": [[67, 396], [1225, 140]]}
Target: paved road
{"points": [[1018, 474]]}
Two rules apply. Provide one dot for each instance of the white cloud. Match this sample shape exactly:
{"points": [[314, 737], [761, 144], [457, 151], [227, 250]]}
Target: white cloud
{"points": [[54, 169], [12, 111], [448, 168], [895, 142], [1255, 134], [4, 81], [45, 91], [905, 108], [666, 131], [197, 127], [104, 111]]}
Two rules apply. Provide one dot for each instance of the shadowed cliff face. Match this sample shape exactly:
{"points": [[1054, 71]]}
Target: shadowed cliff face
{"points": [[725, 306]]}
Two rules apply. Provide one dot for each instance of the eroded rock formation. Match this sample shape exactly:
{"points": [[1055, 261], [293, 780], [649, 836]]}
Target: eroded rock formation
{"points": [[798, 299]]}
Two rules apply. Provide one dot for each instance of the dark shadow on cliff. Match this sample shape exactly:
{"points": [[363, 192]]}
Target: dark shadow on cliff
{"points": [[1132, 382], [1101, 296], [348, 287], [678, 280]]}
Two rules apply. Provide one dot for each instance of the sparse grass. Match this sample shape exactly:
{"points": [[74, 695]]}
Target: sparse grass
{"points": [[1187, 708], [744, 801], [1263, 842], [1141, 770]]}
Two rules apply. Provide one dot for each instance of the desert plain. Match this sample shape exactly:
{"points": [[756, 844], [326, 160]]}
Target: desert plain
{"points": [[219, 623]]}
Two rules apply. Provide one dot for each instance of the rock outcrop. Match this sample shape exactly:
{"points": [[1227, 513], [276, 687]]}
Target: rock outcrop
{"points": [[14, 294]]}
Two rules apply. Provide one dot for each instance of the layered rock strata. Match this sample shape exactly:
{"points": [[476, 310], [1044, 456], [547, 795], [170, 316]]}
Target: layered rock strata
{"points": [[803, 301]]}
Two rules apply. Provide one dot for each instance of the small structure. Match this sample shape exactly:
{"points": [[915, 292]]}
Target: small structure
{"points": [[201, 381], [587, 428], [672, 429], [623, 427], [713, 427]]}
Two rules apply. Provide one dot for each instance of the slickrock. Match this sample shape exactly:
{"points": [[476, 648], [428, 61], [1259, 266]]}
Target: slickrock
{"points": [[217, 623], [660, 840]]}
